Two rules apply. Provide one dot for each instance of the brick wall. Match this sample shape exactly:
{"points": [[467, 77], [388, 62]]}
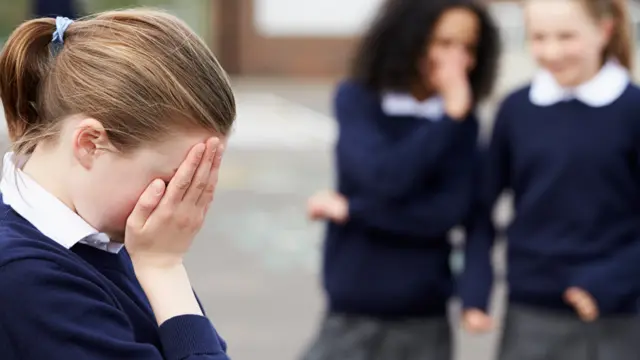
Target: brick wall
{"points": [[245, 52]]}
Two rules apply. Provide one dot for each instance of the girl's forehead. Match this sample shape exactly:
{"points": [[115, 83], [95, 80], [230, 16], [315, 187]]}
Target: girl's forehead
{"points": [[458, 16], [557, 13], [173, 149], [457, 22]]}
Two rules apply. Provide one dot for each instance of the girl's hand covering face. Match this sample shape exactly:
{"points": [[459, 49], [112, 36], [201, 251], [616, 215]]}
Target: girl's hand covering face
{"points": [[165, 220]]}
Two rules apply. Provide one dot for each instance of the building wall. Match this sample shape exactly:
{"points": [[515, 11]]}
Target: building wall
{"points": [[280, 38], [294, 38]]}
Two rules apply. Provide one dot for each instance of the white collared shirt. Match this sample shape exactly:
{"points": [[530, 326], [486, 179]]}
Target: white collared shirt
{"points": [[46, 212], [602, 90], [401, 104]]}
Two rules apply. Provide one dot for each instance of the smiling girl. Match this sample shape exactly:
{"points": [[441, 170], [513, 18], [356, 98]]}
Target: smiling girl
{"points": [[568, 147]]}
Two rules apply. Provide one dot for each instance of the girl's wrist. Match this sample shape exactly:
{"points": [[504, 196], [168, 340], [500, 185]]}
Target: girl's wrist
{"points": [[146, 263], [148, 271], [168, 290], [457, 108], [457, 112]]}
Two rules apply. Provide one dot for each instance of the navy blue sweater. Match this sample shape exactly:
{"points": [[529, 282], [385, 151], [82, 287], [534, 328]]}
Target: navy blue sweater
{"points": [[575, 174], [408, 182], [85, 304]]}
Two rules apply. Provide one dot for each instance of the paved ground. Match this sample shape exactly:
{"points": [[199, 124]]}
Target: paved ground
{"points": [[255, 263]]}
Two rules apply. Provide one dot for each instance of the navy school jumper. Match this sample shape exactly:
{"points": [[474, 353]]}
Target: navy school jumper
{"points": [[575, 174], [84, 303], [408, 181]]}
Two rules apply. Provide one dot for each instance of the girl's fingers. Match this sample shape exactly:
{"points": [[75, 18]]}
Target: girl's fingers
{"points": [[183, 178], [201, 176], [146, 204], [586, 308], [212, 177], [477, 321], [315, 212], [583, 302], [586, 311]]}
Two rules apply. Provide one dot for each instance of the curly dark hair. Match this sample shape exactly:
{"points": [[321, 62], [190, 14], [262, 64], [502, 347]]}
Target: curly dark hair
{"points": [[389, 52]]}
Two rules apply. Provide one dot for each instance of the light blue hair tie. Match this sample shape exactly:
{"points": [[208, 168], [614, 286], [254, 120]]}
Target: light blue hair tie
{"points": [[62, 23]]}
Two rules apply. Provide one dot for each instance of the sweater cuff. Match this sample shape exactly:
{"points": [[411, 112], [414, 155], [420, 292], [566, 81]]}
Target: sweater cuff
{"points": [[456, 123], [474, 289], [605, 300], [360, 209], [186, 335], [356, 208], [475, 302]]}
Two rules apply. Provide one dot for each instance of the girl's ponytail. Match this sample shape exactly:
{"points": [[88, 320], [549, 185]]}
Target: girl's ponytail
{"points": [[24, 62], [621, 43]]}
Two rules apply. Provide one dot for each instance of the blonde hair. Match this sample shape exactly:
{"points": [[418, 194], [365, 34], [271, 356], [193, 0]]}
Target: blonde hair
{"points": [[621, 46], [142, 73]]}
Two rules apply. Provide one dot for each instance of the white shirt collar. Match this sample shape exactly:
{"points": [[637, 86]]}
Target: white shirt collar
{"points": [[46, 212], [605, 88], [400, 104]]}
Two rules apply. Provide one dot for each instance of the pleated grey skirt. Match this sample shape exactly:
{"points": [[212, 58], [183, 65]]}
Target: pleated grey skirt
{"points": [[358, 338], [538, 334]]}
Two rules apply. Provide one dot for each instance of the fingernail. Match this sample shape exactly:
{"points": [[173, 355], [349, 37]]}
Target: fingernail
{"points": [[158, 187]]}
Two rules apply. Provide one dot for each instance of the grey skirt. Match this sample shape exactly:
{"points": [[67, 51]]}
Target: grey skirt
{"points": [[538, 334], [359, 338]]}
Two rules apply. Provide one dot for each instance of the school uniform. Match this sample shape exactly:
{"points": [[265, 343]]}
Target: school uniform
{"points": [[68, 292], [571, 157], [406, 169]]}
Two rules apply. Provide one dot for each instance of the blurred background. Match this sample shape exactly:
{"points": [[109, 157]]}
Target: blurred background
{"points": [[255, 265]]}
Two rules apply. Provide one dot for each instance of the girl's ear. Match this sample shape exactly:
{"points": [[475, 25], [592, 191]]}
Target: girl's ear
{"points": [[606, 27], [89, 137]]}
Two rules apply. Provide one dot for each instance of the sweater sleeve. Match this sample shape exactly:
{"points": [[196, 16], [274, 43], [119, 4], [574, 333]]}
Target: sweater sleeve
{"points": [[73, 318], [430, 214], [476, 280], [223, 344], [613, 280], [387, 169], [616, 277]]}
